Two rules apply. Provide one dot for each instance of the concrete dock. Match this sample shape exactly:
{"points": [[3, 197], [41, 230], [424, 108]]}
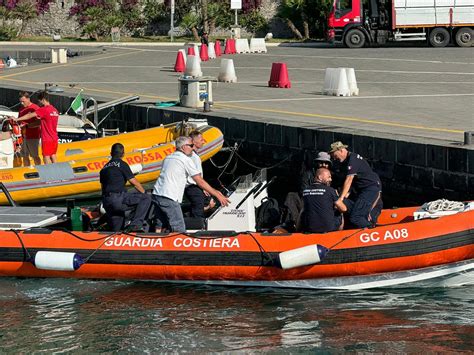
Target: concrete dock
{"points": [[422, 94], [409, 120]]}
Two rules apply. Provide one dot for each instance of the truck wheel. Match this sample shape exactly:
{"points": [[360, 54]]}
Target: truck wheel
{"points": [[439, 37], [355, 39], [464, 37]]}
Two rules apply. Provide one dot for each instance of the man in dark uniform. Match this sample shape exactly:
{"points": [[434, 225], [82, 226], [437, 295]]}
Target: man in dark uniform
{"points": [[366, 185], [322, 208], [113, 177]]}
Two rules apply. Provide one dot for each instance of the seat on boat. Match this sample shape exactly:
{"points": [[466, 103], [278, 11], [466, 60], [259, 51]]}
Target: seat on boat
{"points": [[17, 217]]}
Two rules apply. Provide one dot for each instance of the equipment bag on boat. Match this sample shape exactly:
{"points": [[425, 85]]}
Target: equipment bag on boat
{"points": [[267, 214]]}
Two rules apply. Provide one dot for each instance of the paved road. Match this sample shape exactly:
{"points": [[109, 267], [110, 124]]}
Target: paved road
{"points": [[415, 94]]}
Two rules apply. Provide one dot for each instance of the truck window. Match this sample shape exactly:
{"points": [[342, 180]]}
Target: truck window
{"points": [[344, 5]]}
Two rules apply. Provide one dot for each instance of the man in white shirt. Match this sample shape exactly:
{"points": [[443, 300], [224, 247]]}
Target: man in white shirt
{"points": [[194, 193], [169, 188]]}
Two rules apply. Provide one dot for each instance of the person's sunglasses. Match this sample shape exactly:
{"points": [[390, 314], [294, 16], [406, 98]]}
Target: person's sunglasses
{"points": [[190, 145]]}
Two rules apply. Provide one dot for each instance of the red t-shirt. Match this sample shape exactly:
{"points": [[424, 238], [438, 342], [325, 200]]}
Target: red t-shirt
{"points": [[30, 133], [49, 123]]}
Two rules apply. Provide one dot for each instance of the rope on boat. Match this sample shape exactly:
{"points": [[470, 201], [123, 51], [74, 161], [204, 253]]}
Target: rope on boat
{"points": [[443, 205]]}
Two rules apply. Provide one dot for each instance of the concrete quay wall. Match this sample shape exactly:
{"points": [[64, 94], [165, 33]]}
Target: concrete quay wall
{"points": [[410, 172]]}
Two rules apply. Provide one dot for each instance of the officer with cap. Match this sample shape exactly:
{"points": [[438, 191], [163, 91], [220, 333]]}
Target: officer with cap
{"points": [[115, 198], [366, 185]]}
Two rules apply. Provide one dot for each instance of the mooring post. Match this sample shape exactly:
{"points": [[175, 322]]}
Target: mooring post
{"points": [[468, 137]]}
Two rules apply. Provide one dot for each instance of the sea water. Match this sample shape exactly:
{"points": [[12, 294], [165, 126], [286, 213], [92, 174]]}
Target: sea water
{"points": [[60, 315]]}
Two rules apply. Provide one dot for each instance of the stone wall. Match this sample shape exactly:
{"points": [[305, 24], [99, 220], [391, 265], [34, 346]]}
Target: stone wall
{"points": [[55, 21]]}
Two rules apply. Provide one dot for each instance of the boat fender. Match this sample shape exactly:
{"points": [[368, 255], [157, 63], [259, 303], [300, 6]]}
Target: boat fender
{"points": [[136, 168], [57, 261], [308, 255]]}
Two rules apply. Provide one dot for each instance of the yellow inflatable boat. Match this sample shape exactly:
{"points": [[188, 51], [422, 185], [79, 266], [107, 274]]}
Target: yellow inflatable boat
{"points": [[79, 174], [131, 141]]}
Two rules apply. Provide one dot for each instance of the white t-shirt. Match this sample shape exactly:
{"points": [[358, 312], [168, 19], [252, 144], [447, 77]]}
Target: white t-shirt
{"points": [[175, 171], [198, 164]]}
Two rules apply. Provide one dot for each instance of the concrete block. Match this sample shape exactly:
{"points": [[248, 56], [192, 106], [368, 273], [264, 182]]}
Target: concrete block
{"points": [[470, 161], [385, 149], [385, 170], [290, 137], [218, 122], [256, 132], [364, 146], [411, 153], [168, 117], [273, 134], [236, 129], [306, 138], [153, 117], [324, 140], [455, 182], [457, 160], [470, 188], [344, 138], [436, 157], [402, 173], [422, 177]]}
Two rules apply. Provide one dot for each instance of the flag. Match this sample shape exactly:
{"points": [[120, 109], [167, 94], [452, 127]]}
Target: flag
{"points": [[77, 105]]}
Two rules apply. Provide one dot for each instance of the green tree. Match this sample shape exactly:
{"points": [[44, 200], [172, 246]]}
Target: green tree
{"points": [[191, 21], [254, 22], [290, 13]]}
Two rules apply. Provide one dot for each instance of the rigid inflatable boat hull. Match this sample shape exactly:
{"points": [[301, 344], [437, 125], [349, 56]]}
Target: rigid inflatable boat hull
{"points": [[430, 251]]}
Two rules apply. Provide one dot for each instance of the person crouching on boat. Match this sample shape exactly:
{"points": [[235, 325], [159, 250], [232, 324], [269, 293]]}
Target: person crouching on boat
{"points": [[48, 116], [169, 187], [115, 198], [367, 204], [194, 193], [323, 210]]}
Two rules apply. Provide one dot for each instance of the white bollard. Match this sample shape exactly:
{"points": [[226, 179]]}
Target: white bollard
{"points": [[328, 76], [193, 66], [257, 45], [351, 79], [184, 55], [227, 71], [342, 88], [242, 45], [211, 51], [336, 82]]}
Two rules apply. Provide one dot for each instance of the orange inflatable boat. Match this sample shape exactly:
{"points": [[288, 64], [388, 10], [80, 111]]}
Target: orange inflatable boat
{"points": [[401, 250]]}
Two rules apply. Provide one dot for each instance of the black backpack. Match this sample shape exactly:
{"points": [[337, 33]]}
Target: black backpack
{"points": [[267, 214]]}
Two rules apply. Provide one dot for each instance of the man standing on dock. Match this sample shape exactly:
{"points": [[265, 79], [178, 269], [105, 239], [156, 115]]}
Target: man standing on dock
{"points": [[48, 115], [169, 188], [31, 133], [367, 186]]}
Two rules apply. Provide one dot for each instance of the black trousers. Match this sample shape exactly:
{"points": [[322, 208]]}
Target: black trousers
{"points": [[116, 204], [196, 196]]}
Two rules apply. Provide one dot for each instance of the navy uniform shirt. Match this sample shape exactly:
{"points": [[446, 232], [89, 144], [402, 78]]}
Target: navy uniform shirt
{"points": [[364, 175], [319, 212], [114, 175]]}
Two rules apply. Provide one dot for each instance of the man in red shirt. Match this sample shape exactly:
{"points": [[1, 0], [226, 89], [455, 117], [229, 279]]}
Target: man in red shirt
{"points": [[48, 115], [32, 131]]}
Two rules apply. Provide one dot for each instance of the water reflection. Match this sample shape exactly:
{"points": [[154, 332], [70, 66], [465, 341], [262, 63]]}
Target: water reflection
{"points": [[58, 315]]}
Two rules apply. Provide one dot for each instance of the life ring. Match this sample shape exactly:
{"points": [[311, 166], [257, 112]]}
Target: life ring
{"points": [[12, 126]]}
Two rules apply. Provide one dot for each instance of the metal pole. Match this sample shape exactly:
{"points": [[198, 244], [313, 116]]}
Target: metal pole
{"points": [[236, 22], [172, 21]]}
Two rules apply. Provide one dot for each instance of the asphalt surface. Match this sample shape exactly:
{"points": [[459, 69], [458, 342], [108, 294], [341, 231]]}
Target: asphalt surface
{"points": [[409, 93]]}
